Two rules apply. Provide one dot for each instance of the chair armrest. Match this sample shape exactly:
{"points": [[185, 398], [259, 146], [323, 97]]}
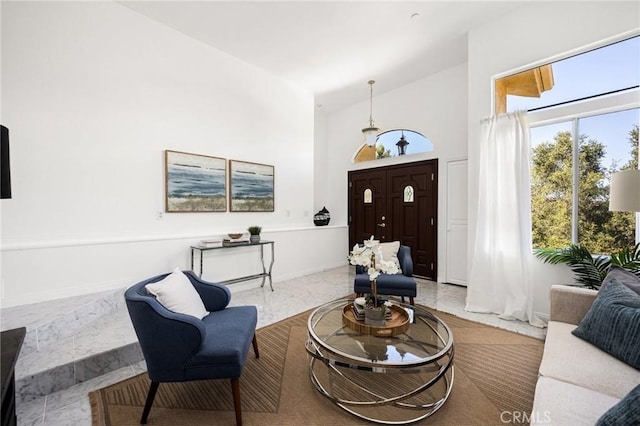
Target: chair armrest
{"points": [[214, 296], [570, 304], [406, 263]]}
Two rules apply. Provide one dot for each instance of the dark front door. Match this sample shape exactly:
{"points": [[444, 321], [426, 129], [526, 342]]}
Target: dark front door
{"points": [[398, 203], [367, 205]]}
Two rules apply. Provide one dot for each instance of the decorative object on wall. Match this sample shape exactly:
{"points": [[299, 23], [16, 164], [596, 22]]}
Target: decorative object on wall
{"points": [[322, 218], [251, 187], [195, 183], [5, 170], [254, 231], [370, 132]]}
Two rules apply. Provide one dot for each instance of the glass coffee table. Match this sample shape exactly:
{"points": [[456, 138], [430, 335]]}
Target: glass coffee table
{"points": [[392, 380]]}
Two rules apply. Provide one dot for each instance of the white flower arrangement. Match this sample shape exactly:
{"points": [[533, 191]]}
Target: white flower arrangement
{"points": [[369, 256]]}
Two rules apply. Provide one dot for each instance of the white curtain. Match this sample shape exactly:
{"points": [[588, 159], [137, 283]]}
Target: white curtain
{"points": [[499, 281]]}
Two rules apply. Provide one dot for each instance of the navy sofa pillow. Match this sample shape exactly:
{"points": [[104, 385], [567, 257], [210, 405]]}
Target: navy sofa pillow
{"points": [[613, 323], [625, 412]]}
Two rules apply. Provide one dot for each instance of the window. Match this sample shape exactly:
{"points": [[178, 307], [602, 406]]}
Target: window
{"points": [[408, 194], [394, 143], [604, 70], [368, 196], [389, 143], [578, 139], [561, 215]]}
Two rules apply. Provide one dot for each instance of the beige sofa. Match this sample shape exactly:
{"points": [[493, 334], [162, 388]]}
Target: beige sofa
{"points": [[577, 381]]}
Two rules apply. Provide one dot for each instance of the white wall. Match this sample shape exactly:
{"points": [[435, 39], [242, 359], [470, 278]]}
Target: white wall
{"points": [[538, 32], [320, 163], [93, 93], [435, 106]]}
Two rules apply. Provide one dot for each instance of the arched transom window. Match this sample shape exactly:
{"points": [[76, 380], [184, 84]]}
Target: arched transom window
{"points": [[394, 143]]}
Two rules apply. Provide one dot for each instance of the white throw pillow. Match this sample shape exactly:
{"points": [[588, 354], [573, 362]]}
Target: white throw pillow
{"points": [[390, 252], [176, 293]]}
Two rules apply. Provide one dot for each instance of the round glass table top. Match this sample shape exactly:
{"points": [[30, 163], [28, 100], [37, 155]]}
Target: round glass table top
{"points": [[425, 341]]}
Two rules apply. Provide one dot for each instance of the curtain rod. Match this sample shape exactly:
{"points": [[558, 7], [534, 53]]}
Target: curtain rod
{"points": [[502, 113]]}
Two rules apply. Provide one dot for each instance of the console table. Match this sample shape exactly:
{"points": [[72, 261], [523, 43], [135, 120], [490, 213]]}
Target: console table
{"points": [[264, 274], [11, 342]]}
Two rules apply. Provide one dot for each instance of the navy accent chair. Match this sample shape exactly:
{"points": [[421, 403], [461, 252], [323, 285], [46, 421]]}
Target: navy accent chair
{"points": [[179, 347], [402, 285]]}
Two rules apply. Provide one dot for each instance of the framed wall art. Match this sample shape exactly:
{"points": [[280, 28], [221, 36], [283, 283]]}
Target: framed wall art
{"points": [[195, 183], [251, 187]]}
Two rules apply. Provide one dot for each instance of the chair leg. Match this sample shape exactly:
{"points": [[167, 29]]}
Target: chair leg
{"points": [[255, 346], [402, 299], [411, 301], [147, 406], [235, 387]]}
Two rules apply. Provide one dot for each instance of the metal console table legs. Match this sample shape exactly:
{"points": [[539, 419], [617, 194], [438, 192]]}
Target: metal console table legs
{"points": [[266, 273]]}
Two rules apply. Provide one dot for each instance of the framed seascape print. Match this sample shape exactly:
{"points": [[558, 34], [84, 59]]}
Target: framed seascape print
{"points": [[195, 183], [251, 187]]}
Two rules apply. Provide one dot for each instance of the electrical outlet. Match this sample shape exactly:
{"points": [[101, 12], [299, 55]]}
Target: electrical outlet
{"points": [[159, 215]]}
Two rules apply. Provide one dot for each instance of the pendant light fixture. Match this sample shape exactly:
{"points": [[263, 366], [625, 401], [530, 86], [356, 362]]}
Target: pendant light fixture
{"points": [[371, 132]]}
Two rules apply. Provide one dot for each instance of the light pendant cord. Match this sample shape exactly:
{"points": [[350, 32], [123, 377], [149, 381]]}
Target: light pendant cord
{"points": [[371, 82]]}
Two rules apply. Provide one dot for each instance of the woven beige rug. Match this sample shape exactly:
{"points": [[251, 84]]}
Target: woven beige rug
{"points": [[495, 376]]}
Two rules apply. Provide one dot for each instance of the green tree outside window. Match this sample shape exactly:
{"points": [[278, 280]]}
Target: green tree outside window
{"points": [[599, 230]]}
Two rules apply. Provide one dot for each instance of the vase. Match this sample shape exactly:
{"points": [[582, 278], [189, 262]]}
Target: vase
{"points": [[255, 238], [322, 218], [374, 315]]}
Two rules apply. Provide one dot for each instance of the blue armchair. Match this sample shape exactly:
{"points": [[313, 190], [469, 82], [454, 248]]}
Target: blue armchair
{"points": [[179, 347], [402, 285]]}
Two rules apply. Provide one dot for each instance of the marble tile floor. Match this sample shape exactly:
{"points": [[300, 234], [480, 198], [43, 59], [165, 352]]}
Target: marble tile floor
{"points": [[71, 405]]}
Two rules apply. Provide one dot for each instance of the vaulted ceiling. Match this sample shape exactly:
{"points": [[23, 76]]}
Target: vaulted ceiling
{"points": [[333, 48]]}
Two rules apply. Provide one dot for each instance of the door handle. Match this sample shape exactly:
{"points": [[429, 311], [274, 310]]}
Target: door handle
{"points": [[382, 225]]}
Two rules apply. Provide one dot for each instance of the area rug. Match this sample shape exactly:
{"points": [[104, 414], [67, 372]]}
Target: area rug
{"points": [[495, 377]]}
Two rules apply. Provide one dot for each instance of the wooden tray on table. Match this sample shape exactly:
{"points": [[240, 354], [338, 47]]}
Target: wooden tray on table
{"points": [[397, 324]]}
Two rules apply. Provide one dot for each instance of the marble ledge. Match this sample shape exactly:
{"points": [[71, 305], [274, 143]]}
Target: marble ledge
{"points": [[49, 322]]}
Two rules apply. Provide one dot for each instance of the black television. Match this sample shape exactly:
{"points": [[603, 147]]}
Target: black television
{"points": [[5, 169]]}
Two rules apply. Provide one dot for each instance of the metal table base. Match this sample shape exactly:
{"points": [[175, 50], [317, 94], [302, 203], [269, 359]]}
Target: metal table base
{"points": [[266, 273]]}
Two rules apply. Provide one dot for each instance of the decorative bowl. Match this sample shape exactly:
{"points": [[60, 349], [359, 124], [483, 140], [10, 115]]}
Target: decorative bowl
{"points": [[234, 236]]}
